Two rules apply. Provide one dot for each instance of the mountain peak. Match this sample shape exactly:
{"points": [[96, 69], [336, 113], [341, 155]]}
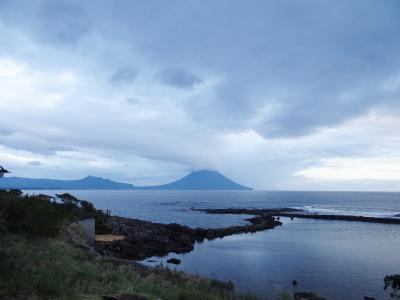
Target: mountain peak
{"points": [[206, 172], [203, 180], [90, 177]]}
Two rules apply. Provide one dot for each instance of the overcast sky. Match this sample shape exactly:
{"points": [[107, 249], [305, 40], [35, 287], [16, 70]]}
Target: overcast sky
{"points": [[297, 94]]}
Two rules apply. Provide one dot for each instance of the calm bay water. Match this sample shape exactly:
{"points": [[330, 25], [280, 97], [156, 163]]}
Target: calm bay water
{"points": [[338, 260]]}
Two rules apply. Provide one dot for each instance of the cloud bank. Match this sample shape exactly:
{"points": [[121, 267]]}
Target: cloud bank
{"points": [[276, 95]]}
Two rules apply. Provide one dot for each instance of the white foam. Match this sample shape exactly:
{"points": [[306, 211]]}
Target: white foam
{"points": [[347, 212]]}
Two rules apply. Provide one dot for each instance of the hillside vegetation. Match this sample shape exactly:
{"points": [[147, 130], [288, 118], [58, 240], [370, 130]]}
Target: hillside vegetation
{"points": [[38, 262]]}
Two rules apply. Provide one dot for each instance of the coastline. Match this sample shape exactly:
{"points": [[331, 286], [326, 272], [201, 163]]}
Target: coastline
{"points": [[124, 240], [298, 213], [46, 254], [144, 239], [178, 239]]}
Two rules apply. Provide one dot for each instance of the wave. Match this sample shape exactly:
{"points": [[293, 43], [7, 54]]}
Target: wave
{"points": [[311, 209]]}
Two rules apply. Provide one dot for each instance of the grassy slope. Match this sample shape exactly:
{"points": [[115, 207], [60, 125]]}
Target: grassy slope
{"points": [[42, 268]]}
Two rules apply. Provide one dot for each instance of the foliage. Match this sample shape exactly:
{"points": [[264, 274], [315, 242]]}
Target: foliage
{"points": [[223, 288], [68, 199], [3, 171], [393, 281], [40, 215]]}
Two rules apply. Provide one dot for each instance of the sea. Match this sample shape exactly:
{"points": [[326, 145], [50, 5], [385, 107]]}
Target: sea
{"points": [[335, 259]]}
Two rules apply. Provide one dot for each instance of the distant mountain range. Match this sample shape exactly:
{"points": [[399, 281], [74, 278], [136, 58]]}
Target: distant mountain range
{"points": [[199, 180], [89, 182]]}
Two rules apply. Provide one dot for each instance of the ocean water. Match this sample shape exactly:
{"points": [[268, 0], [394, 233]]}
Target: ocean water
{"points": [[336, 259]]}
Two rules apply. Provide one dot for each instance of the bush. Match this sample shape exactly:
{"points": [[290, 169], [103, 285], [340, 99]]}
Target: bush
{"points": [[40, 215], [393, 282], [35, 215]]}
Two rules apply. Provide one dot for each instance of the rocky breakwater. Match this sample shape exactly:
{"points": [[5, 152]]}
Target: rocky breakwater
{"points": [[145, 239], [298, 213]]}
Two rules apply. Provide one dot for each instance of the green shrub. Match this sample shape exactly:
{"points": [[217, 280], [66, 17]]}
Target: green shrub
{"points": [[40, 215], [393, 281], [35, 215]]}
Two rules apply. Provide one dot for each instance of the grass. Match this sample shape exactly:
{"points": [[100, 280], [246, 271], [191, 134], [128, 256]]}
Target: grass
{"points": [[52, 269], [46, 268]]}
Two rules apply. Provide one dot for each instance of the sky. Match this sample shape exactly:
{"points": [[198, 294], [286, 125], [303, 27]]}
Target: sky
{"points": [[276, 95]]}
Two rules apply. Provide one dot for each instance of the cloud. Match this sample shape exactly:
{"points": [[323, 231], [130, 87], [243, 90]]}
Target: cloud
{"points": [[35, 163], [372, 168], [62, 23], [262, 92], [124, 75], [53, 23], [178, 78]]}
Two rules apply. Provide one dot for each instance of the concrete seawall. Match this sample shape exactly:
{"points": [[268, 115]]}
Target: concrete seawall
{"points": [[88, 226]]}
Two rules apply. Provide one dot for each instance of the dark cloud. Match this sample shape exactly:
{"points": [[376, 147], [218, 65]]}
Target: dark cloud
{"points": [[178, 78], [6, 131], [273, 72], [58, 23], [131, 101], [62, 22], [27, 141], [124, 75], [321, 61]]}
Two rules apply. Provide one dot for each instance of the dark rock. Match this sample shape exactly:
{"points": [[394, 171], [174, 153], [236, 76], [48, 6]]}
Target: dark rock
{"points": [[125, 297], [238, 211], [102, 227], [306, 296], [174, 261], [132, 297], [290, 212], [343, 218], [146, 239]]}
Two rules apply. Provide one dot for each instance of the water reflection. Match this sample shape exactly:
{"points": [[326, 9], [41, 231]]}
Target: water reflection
{"points": [[338, 260]]}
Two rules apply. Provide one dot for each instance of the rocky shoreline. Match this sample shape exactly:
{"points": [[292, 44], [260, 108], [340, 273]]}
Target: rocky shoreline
{"points": [[297, 213], [144, 239]]}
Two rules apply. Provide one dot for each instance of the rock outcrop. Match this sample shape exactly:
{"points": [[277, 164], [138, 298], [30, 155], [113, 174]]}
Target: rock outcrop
{"points": [[297, 213], [174, 261], [145, 239]]}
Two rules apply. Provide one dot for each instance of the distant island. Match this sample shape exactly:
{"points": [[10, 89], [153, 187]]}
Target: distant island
{"points": [[198, 180]]}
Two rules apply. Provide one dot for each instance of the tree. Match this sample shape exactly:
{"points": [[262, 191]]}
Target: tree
{"points": [[393, 281], [68, 199], [3, 171]]}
